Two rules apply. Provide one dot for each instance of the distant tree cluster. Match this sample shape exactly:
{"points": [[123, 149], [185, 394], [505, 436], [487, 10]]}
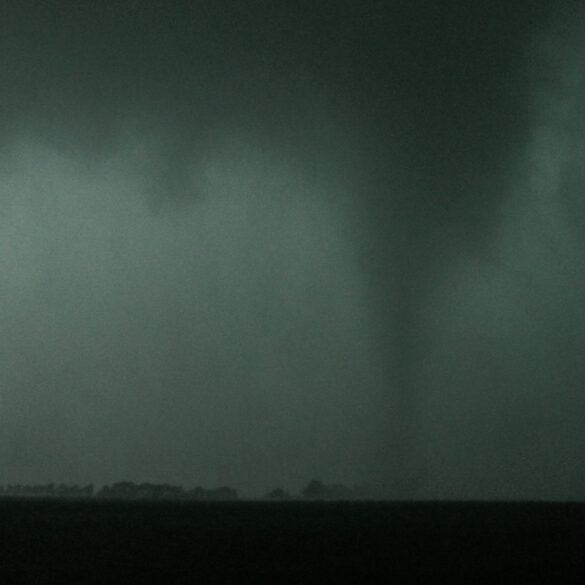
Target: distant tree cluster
{"points": [[154, 491], [317, 490], [278, 494], [48, 490], [314, 490], [120, 490]]}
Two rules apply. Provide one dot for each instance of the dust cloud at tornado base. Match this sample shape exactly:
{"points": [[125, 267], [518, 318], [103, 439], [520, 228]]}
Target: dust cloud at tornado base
{"points": [[228, 315]]}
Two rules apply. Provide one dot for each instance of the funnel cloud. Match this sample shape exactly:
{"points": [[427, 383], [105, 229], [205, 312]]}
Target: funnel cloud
{"points": [[254, 245]]}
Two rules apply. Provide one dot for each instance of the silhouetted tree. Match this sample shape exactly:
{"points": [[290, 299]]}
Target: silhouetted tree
{"points": [[278, 494], [314, 489]]}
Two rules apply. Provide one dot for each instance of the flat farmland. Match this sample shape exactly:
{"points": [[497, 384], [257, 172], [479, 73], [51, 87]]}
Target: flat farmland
{"points": [[99, 541]]}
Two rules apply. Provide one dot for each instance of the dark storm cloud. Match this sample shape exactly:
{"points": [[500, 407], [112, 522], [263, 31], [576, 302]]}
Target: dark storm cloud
{"points": [[255, 243]]}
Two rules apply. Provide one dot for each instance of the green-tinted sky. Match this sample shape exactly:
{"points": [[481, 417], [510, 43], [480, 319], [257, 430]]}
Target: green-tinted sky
{"points": [[253, 243]]}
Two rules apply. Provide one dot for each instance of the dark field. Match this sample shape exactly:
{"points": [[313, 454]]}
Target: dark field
{"points": [[299, 542]]}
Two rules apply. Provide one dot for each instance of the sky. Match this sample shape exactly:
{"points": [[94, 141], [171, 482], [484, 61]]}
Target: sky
{"points": [[253, 244]]}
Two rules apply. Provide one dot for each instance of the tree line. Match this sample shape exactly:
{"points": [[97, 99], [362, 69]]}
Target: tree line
{"points": [[314, 490], [120, 490]]}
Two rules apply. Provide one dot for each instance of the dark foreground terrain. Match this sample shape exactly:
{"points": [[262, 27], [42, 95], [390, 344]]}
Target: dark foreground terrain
{"points": [[290, 542]]}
